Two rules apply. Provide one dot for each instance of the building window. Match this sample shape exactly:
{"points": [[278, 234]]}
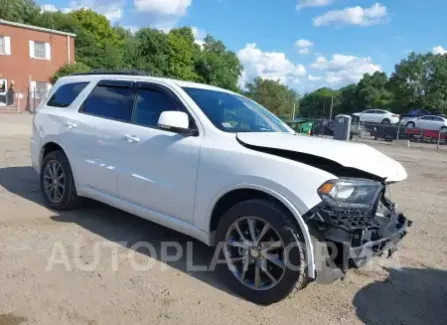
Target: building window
{"points": [[39, 50], [5, 45], [2, 45], [39, 89]]}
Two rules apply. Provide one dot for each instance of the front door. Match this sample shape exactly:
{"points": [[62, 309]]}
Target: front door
{"points": [[160, 171]]}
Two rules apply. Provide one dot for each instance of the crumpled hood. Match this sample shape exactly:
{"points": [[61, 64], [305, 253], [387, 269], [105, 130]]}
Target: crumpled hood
{"points": [[348, 154]]}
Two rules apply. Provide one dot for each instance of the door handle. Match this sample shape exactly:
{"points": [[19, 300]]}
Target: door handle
{"points": [[71, 125], [131, 138]]}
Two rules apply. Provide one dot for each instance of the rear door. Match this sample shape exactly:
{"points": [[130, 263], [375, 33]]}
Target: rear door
{"points": [[379, 115], [97, 130], [425, 122]]}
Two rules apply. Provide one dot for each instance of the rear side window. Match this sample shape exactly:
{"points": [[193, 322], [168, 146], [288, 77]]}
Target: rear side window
{"points": [[110, 101], [66, 94]]}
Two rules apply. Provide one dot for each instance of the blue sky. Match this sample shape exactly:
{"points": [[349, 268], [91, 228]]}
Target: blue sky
{"points": [[304, 43]]}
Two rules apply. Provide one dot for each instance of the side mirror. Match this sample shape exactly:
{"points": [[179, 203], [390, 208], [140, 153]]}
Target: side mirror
{"points": [[176, 121]]}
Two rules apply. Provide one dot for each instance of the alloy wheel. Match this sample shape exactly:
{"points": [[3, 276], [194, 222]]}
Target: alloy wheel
{"points": [[54, 181], [255, 253]]}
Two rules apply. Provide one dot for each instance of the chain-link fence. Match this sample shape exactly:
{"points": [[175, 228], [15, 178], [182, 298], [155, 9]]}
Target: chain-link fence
{"points": [[437, 134]]}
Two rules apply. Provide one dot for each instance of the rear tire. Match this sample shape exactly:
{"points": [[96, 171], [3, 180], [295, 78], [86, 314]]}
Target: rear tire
{"points": [[57, 183], [386, 121], [289, 273], [443, 129]]}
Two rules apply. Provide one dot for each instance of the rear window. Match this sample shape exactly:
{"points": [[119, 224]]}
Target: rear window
{"points": [[66, 94], [110, 101]]}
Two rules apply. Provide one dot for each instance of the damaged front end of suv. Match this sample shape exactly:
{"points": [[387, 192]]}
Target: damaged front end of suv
{"points": [[355, 222]]}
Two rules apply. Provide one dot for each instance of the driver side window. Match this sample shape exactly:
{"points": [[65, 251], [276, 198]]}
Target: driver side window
{"points": [[149, 105]]}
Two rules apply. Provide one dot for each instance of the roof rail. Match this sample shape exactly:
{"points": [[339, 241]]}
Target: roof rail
{"points": [[108, 72]]}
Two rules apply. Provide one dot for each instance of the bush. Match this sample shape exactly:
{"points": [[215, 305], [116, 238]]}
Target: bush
{"points": [[70, 69]]}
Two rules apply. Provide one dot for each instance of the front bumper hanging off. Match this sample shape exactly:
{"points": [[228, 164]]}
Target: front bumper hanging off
{"points": [[349, 239]]}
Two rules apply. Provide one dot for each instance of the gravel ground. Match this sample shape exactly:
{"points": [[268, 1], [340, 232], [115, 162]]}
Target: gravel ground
{"points": [[410, 288]]}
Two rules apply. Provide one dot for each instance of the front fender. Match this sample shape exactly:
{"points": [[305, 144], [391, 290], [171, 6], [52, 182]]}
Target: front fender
{"points": [[310, 257]]}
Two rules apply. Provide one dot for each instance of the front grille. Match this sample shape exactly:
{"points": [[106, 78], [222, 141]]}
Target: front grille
{"points": [[350, 220]]}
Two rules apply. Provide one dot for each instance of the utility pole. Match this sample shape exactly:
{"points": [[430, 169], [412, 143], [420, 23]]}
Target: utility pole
{"points": [[330, 111], [293, 114]]}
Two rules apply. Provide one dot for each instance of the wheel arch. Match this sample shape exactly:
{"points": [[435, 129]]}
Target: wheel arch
{"points": [[237, 194], [52, 145], [48, 147]]}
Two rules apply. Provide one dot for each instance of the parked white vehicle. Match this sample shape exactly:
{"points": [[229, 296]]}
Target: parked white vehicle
{"points": [[378, 116], [219, 167], [428, 122]]}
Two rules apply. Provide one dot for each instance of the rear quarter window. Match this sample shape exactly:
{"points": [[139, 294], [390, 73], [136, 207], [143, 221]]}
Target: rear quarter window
{"points": [[66, 94]]}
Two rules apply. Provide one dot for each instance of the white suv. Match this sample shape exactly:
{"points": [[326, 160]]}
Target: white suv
{"points": [[217, 166]]}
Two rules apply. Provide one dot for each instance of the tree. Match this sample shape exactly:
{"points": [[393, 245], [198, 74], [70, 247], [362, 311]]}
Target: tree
{"points": [[348, 100], [218, 66], [274, 96], [181, 54], [420, 81], [149, 51], [317, 104], [98, 26], [372, 92], [70, 69], [20, 11], [97, 44]]}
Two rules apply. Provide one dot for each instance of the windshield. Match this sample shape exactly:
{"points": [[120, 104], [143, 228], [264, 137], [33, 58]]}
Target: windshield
{"points": [[234, 113]]}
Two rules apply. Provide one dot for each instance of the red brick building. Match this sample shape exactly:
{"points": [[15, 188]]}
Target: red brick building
{"points": [[29, 57]]}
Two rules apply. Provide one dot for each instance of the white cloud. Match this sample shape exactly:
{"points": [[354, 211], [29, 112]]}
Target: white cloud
{"points": [[344, 69], [354, 16], [163, 7], [199, 35], [49, 8], [313, 3], [303, 46], [313, 78], [268, 65], [302, 43], [112, 12], [439, 50], [161, 14]]}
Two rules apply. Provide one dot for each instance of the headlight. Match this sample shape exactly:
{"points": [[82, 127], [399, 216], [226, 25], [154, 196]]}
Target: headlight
{"points": [[350, 193]]}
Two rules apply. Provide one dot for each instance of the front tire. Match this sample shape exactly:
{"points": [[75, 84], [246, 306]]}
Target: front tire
{"points": [[57, 183], [411, 125], [264, 254]]}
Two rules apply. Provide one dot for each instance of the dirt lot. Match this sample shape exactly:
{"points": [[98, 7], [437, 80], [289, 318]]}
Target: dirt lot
{"points": [[410, 288]]}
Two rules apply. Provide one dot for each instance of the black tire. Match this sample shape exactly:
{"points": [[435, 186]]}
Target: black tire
{"points": [[386, 121], [295, 278], [70, 200], [410, 125], [443, 129]]}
